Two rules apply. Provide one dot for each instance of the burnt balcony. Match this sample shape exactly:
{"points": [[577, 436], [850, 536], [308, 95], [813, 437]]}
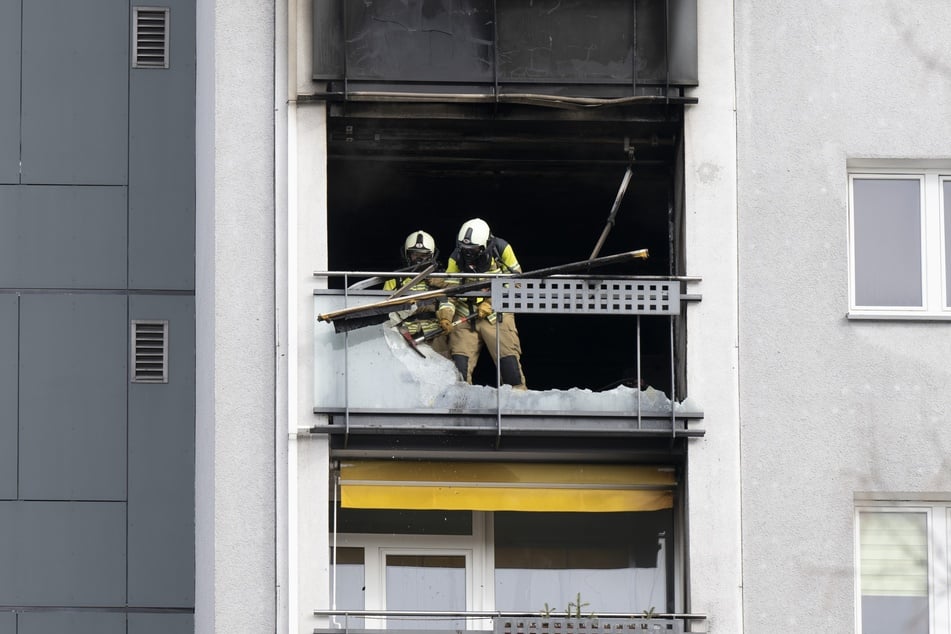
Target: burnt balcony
{"points": [[627, 380]]}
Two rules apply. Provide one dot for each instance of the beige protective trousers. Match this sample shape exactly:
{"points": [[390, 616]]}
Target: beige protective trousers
{"points": [[465, 345], [440, 345]]}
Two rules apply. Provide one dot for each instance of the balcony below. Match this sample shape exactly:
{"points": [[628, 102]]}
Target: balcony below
{"points": [[356, 622]]}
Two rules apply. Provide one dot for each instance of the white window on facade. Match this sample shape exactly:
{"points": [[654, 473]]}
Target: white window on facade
{"points": [[427, 580], [348, 585], [902, 562], [899, 243], [550, 559], [408, 562]]}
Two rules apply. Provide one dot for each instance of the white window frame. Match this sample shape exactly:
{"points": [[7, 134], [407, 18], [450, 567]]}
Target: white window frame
{"points": [[427, 551], [479, 553], [938, 514], [933, 253]]}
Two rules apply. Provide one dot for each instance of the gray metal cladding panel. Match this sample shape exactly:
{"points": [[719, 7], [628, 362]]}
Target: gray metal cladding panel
{"points": [[420, 40], [684, 66], [328, 53], [75, 92], [8, 623], [62, 237], [162, 163], [518, 41], [73, 379], [10, 94], [671, 57], [571, 40], [62, 554], [162, 465], [8, 396], [161, 624], [72, 622]]}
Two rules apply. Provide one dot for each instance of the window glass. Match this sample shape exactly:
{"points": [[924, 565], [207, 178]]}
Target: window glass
{"points": [[550, 558], [945, 206], [431, 583], [894, 572], [403, 522], [887, 248], [348, 581]]}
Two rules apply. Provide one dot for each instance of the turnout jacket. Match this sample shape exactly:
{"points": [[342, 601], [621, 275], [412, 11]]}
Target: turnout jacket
{"points": [[499, 258], [423, 320]]}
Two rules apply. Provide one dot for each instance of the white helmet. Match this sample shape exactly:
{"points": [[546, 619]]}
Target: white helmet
{"points": [[418, 247], [472, 243], [474, 232]]}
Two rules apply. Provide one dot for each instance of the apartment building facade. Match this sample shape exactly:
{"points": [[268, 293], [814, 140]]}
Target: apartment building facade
{"points": [[779, 516], [755, 441]]}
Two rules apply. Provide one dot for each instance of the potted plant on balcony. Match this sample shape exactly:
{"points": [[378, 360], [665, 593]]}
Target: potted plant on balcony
{"points": [[574, 621]]}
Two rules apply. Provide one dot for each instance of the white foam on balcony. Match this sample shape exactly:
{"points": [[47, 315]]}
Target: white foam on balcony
{"points": [[401, 378], [375, 368]]}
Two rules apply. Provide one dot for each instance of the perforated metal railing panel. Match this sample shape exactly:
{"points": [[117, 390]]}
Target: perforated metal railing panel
{"points": [[587, 626], [586, 296]]}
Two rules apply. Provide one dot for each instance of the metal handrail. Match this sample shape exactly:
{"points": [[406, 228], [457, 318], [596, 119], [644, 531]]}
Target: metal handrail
{"points": [[510, 622], [488, 614], [361, 274]]}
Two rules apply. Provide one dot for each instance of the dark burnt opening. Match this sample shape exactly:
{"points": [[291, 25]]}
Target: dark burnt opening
{"points": [[545, 186]]}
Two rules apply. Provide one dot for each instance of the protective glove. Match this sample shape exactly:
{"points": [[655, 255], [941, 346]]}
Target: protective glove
{"points": [[485, 309], [444, 315]]}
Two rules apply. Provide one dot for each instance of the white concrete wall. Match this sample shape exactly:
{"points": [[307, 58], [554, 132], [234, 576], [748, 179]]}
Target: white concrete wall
{"points": [[829, 406], [310, 160], [235, 290], [310, 455], [713, 501]]}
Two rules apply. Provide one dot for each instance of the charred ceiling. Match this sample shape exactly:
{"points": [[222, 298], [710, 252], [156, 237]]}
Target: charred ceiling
{"points": [[499, 138]]}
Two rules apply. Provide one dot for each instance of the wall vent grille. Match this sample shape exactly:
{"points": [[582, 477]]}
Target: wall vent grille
{"points": [[149, 37], [149, 351]]}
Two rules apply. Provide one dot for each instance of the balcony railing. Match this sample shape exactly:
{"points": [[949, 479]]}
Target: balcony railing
{"points": [[369, 378], [488, 622]]}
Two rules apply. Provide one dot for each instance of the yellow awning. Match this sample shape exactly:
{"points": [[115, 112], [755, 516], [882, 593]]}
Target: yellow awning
{"points": [[492, 486]]}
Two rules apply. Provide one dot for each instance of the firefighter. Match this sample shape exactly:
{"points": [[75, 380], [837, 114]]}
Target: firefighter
{"points": [[478, 251], [418, 252]]}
